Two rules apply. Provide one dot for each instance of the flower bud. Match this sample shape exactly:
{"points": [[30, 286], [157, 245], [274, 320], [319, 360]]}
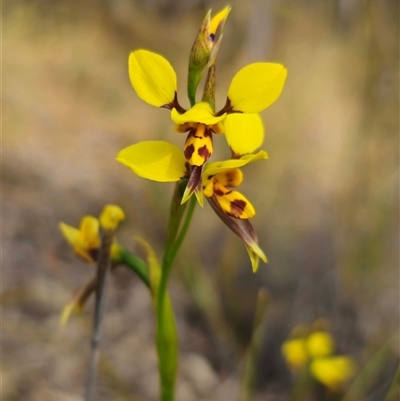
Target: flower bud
{"points": [[205, 49]]}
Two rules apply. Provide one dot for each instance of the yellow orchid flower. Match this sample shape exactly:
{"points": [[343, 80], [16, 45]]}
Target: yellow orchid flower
{"points": [[164, 162], [85, 241], [253, 89]]}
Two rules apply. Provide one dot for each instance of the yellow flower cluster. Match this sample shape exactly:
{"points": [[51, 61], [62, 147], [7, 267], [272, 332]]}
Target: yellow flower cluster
{"points": [[315, 351]]}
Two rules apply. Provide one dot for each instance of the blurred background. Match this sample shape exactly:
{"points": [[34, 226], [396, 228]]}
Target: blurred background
{"points": [[326, 200]]}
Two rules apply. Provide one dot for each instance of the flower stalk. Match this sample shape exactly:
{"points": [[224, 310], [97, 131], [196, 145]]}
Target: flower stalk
{"points": [[103, 268]]}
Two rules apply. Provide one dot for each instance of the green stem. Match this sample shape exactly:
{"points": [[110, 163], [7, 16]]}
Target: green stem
{"points": [[175, 237], [103, 268], [136, 264]]}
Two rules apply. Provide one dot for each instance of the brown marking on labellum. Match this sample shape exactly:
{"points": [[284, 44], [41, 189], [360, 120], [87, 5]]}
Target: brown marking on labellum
{"points": [[218, 192], [189, 151], [230, 176], [237, 207], [204, 152]]}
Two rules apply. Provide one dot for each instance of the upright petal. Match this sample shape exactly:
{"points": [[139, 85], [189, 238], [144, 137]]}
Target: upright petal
{"points": [[256, 86], [152, 77], [244, 132], [155, 160], [90, 232], [111, 216]]}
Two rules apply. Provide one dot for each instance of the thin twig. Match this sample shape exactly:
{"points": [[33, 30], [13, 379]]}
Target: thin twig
{"points": [[103, 268]]}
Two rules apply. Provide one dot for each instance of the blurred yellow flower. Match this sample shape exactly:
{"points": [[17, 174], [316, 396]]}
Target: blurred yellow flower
{"points": [[85, 241], [319, 344], [111, 216], [315, 351], [295, 353], [333, 371]]}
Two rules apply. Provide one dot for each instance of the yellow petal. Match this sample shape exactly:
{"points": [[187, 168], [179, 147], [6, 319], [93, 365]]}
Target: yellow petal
{"points": [[199, 113], [320, 344], [154, 160], [333, 371], [152, 77], [89, 230], [295, 352], [256, 86], [230, 178], [71, 234], [244, 132], [219, 19], [233, 203], [214, 168], [111, 216]]}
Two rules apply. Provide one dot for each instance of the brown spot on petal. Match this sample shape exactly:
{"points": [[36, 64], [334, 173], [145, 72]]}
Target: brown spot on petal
{"points": [[237, 207], [204, 152], [189, 151], [230, 176], [218, 192]]}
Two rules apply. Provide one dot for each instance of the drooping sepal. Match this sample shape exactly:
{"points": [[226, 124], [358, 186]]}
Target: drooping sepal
{"points": [[245, 231], [194, 185], [78, 301]]}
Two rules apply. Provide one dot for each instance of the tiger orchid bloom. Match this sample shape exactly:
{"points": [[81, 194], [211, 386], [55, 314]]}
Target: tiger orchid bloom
{"points": [[85, 240], [164, 162], [253, 89]]}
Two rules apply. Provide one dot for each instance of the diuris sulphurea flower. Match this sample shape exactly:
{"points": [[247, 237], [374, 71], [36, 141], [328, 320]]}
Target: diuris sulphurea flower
{"points": [[164, 162], [253, 89], [86, 243]]}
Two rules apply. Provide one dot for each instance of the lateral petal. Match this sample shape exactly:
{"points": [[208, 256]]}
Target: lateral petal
{"points": [[256, 86], [234, 204], [155, 160], [152, 77], [214, 168], [244, 132]]}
